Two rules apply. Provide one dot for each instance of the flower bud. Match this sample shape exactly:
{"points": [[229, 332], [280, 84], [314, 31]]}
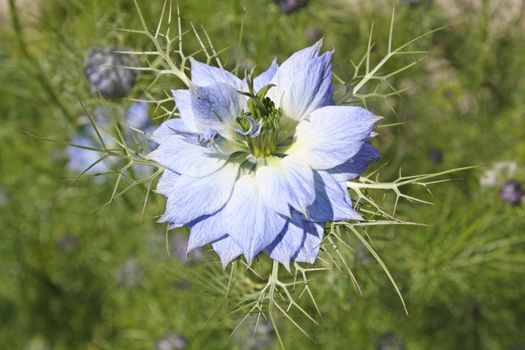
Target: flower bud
{"points": [[106, 71]]}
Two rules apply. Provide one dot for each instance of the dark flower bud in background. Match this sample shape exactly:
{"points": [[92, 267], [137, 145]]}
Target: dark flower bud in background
{"points": [[511, 192], [291, 6], [435, 155], [106, 71], [390, 341]]}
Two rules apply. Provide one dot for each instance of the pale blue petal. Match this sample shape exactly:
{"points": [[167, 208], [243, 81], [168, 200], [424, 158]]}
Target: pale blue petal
{"points": [[332, 201], [250, 223], [332, 135], [265, 77], [192, 197], [303, 83], [204, 75], [300, 241], [285, 182], [227, 250], [183, 103], [353, 167], [217, 107], [167, 182], [311, 245], [168, 130], [207, 230], [188, 159]]}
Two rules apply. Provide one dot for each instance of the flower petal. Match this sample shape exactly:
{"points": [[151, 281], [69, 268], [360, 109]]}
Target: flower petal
{"points": [[192, 197], [250, 223], [217, 107], [227, 250], [167, 182], [204, 75], [186, 158], [285, 182], [332, 135], [303, 83], [168, 129], [311, 245], [332, 202], [207, 230], [183, 103], [353, 167], [300, 241], [265, 77]]}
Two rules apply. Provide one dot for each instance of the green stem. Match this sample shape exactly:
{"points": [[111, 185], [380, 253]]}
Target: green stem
{"points": [[39, 72]]}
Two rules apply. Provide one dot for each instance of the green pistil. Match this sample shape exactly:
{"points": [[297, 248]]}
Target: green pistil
{"points": [[263, 145], [260, 122]]}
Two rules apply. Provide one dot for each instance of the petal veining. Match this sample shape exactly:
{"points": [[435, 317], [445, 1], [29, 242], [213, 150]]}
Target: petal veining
{"points": [[332, 135]]}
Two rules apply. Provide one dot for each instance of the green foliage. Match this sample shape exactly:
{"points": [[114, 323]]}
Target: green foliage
{"points": [[80, 274]]}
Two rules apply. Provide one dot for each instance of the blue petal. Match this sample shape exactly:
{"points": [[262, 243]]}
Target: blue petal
{"points": [[167, 182], [303, 83], [204, 75], [353, 167], [186, 158], [311, 245], [183, 103], [332, 135], [206, 230], [169, 129], [192, 197], [285, 182], [265, 77], [217, 107], [332, 201], [300, 241], [227, 250], [250, 223]]}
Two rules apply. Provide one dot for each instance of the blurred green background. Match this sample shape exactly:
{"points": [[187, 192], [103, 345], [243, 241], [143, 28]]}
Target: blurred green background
{"points": [[75, 277]]}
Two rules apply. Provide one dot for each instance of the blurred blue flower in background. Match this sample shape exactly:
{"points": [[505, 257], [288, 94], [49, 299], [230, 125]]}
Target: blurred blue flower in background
{"points": [[80, 159], [260, 164], [137, 132]]}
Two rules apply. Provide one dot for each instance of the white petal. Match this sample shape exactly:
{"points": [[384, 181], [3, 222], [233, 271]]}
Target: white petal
{"points": [[227, 250], [285, 182], [217, 107], [168, 129], [167, 182], [299, 241], [204, 75], [265, 77], [332, 135], [250, 223], [332, 201], [205, 231], [192, 198], [186, 158], [183, 103], [303, 83]]}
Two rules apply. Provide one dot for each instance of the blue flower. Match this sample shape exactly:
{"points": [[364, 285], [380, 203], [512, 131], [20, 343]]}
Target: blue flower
{"points": [[80, 159], [260, 164]]}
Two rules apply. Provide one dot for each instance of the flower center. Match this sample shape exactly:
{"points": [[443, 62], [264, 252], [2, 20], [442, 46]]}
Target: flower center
{"points": [[259, 125]]}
